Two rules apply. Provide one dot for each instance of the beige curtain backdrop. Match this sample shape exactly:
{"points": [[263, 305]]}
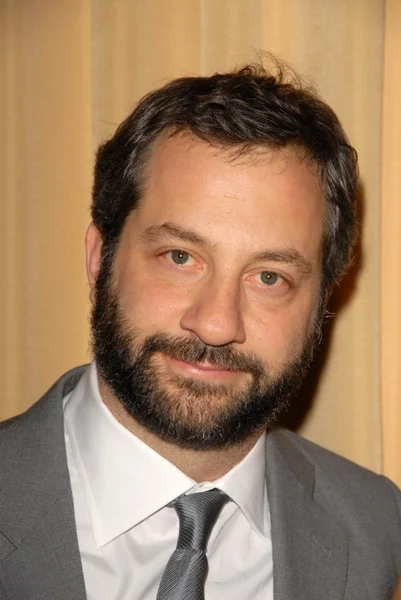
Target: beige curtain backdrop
{"points": [[71, 70]]}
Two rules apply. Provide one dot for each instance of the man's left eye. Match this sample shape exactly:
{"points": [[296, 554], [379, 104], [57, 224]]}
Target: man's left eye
{"points": [[270, 278], [179, 257]]}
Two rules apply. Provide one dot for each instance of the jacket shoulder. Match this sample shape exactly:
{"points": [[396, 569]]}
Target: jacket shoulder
{"points": [[326, 459], [45, 410], [343, 484]]}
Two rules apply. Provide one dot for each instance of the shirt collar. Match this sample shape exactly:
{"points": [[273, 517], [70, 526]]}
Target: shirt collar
{"points": [[246, 486], [125, 481]]}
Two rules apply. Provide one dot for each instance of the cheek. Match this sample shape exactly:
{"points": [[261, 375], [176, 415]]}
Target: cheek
{"points": [[279, 334], [151, 306]]}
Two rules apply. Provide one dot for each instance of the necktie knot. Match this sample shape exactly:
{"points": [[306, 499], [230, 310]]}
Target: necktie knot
{"points": [[186, 571], [197, 514]]}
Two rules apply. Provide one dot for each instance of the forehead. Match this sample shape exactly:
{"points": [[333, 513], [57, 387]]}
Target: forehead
{"points": [[260, 195]]}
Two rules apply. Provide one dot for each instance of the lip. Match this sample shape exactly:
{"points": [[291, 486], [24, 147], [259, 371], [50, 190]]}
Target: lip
{"points": [[200, 370]]}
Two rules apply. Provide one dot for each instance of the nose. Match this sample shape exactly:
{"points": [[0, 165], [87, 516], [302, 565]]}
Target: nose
{"points": [[215, 314]]}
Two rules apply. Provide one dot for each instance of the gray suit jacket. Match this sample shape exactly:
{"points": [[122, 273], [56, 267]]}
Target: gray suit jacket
{"points": [[336, 527]]}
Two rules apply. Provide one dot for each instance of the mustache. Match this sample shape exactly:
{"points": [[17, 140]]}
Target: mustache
{"points": [[193, 350]]}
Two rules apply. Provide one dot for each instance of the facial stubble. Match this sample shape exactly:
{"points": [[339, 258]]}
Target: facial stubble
{"points": [[190, 413]]}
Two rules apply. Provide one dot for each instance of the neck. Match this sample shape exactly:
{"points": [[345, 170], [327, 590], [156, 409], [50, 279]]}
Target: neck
{"points": [[199, 465]]}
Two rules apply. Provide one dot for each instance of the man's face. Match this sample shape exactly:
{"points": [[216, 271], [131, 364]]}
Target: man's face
{"points": [[206, 320]]}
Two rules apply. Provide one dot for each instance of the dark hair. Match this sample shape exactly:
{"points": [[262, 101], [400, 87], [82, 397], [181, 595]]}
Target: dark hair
{"points": [[242, 109]]}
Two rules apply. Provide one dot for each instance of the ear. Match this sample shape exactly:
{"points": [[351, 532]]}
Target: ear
{"points": [[93, 246]]}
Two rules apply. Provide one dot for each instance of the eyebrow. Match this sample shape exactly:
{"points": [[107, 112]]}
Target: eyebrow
{"points": [[289, 256], [169, 230]]}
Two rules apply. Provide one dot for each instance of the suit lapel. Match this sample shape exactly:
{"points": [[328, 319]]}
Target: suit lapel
{"points": [[310, 547], [47, 564], [39, 554]]}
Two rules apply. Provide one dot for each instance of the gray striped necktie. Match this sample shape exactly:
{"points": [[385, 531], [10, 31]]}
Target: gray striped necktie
{"points": [[185, 574]]}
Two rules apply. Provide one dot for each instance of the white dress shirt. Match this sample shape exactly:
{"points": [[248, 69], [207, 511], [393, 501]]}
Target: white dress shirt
{"points": [[126, 533]]}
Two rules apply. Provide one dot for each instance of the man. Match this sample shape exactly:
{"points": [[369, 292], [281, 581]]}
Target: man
{"points": [[223, 214]]}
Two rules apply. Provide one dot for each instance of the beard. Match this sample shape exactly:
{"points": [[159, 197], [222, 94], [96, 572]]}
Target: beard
{"points": [[190, 413]]}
